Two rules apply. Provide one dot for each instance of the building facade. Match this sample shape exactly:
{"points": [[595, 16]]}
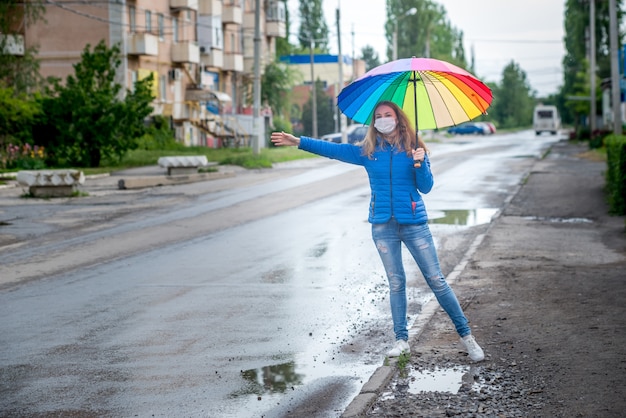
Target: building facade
{"points": [[200, 53]]}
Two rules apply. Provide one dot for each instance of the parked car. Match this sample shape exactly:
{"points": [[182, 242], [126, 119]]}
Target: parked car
{"points": [[492, 127], [486, 128], [354, 132], [467, 128]]}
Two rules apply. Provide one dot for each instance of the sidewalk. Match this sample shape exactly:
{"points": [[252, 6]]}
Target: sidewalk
{"points": [[545, 292]]}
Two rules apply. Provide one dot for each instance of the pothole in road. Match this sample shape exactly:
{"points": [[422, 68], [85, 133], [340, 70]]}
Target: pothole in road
{"points": [[436, 380], [440, 379]]}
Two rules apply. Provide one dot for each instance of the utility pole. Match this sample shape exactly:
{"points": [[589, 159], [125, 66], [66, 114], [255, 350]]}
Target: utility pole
{"points": [[342, 117], [412, 11], [394, 39], [615, 78], [313, 86], [256, 122], [353, 55], [592, 65]]}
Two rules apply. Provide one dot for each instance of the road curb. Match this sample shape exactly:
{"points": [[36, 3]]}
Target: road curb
{"points": [[152, 181]]}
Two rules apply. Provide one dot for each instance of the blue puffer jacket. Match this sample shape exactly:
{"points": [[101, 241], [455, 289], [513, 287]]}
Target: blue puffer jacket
{"points": [[394, 182]]}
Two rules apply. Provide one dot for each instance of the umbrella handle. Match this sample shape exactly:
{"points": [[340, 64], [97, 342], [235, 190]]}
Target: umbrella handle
{"points": [[417, 163]]}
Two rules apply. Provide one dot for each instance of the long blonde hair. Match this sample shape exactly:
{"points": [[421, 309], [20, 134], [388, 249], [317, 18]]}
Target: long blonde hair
{"points": [[403, 138]]}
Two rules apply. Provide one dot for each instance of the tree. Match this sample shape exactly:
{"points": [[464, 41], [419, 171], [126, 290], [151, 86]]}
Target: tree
{"points": [[17, 115], [513, 103], [370, 56], [426, 33], [276, 85], [20, 72], [325, 119], [576, 57], [85, 120], [313, 27]]}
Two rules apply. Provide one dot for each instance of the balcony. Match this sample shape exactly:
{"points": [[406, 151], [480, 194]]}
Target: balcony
{"points": [[248, 22], [275, 17], [276, 29], [210, 7], [185, 52], [143, 44], [13, 44], [195, 94], [214, 58], [233, 62], [184, 4], [232, 13]]}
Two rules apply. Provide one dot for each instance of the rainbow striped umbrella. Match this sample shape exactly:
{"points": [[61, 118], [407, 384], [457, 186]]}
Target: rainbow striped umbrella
{"points": [[433, 92]]}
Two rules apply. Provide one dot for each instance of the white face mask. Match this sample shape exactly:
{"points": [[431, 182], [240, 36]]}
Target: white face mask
{"points": [[385, 125]]}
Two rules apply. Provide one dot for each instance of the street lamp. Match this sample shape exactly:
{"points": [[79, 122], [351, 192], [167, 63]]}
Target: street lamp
{"points": [[409, 12]]}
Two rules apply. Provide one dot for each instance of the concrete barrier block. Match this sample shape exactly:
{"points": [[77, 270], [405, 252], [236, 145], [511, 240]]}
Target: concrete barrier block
{"points": [[50, 177], [50, 183], [184, 164]]}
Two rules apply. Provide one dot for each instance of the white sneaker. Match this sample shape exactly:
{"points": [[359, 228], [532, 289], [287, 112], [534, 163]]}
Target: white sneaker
{"points": [[473, 349], [400, 347]]}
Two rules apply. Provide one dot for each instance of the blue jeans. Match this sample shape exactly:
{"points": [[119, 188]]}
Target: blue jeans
{"points": [[418, 240]]}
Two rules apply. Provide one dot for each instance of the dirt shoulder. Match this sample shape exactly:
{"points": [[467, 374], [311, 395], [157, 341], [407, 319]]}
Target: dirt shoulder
{"points": [[545, 293]]}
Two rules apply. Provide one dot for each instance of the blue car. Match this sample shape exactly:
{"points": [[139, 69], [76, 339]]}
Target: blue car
{"points": [[468, 128]]}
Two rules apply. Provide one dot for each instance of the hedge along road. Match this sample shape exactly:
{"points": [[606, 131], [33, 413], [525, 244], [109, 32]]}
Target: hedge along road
{"points": [[257, 294]]}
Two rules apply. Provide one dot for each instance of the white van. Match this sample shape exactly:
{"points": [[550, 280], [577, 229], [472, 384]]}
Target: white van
{"points": [[546, 119]]}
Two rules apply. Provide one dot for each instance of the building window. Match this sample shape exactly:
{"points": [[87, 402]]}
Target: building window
{"points": [[161, 24], [163, 88], [132, 19], [148, 21], [218, 38], [175, 29], [276, 11], [232, 43], [133, 80]]}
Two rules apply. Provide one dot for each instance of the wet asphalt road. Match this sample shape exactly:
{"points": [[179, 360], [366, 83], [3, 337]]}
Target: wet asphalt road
{"points": [[244, 297]]}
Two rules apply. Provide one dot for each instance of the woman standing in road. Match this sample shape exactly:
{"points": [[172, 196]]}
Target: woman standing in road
{"points": [[398, 173]]}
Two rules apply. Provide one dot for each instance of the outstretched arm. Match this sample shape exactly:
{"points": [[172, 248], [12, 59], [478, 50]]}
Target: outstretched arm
{"points": [[284, 139]]}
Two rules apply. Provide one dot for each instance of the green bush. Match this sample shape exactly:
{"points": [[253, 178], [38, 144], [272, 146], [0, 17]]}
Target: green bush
{"points": [[616, 173], [597, 138], [159, 136]]}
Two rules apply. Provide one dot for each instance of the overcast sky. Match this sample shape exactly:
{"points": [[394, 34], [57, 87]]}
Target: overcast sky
{"points": [[530, 32]]}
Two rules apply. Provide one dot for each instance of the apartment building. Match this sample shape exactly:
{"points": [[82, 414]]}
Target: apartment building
{"points": [[200, 52]]}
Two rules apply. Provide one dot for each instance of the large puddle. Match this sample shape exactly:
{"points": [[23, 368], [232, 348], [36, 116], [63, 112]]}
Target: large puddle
{"points": [[272, 379], [437, 380], [462, 217]]}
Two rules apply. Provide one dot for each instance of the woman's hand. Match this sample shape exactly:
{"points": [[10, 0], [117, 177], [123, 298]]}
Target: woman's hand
{"points": [[418, 154], [284, 139]]}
